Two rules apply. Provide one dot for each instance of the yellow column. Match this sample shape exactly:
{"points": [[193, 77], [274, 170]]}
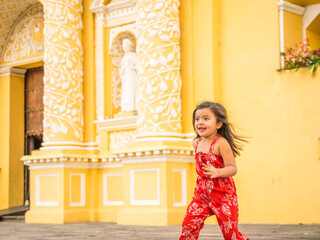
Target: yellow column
{"points": [[11, 136], [63, 67], [158, 50]]}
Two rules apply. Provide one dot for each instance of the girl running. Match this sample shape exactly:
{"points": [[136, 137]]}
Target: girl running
{"points": [[216, 146]]}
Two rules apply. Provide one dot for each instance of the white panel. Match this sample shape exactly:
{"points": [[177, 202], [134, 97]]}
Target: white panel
{"points": [[38, 202], [105, 189], [183, 187], [82, 191], [132, 183]]}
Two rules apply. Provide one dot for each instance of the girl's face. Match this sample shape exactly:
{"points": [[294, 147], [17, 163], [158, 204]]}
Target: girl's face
{"points": [[206, 123]]}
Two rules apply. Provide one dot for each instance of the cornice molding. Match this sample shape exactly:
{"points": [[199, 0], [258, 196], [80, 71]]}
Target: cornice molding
{"points": [[289, 7]]}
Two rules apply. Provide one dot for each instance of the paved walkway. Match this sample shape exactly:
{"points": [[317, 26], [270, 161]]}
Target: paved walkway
{"points": [[15, 228]]}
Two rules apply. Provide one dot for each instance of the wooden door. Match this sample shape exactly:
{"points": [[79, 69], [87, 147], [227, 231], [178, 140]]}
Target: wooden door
{"points": [[33, 116]]}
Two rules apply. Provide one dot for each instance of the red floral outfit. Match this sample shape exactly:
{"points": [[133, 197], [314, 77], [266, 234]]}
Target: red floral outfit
{"points": [[212, 196]]}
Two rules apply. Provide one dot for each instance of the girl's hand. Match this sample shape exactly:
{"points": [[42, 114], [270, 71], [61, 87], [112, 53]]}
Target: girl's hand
{"points": [[211, 171]]}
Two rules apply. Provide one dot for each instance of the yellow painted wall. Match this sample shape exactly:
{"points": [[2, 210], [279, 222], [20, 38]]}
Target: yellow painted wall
{"points": [[292, 29], [314, 39], [278, 172]]}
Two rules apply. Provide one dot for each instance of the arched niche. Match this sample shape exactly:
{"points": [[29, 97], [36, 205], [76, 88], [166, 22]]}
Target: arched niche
{"points": [[25, 39], [116, 53]]}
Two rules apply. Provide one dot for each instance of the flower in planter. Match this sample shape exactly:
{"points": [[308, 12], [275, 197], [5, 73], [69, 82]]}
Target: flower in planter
{"points": [[301, 57]]}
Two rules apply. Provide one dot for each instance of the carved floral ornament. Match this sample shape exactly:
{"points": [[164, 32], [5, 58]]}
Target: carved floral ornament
{"points": [[158, 48], [10, 10], [63, 57], [26, 39]]}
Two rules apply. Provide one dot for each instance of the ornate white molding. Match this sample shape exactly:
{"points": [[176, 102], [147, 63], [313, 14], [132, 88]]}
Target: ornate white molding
{"points": [[97, 6]]}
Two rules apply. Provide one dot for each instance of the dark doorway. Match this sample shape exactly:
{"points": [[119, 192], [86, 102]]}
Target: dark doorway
{"points": [[33, 117]]}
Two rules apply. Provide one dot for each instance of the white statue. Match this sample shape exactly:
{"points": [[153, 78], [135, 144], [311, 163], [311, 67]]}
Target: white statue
{"points": [[128, 75]]}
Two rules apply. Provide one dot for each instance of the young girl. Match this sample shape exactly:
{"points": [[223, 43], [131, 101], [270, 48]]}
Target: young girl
{"points": [[215, 146]]}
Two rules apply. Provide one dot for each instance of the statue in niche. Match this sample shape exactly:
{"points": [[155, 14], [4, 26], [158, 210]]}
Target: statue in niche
{"points": [[128, 76]]}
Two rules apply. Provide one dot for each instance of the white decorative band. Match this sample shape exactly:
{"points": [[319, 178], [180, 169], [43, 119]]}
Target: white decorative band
{"points": [[157, 159], [19, 62], [10, 71], [165, 134], [117, 121], [289, 7], [162, 139], [75, 166], [66, 143], [68, 148], [119, 127]]}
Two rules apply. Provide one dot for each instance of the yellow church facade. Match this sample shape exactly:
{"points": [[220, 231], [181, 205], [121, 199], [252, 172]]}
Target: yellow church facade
{"points": [[96, 162]]}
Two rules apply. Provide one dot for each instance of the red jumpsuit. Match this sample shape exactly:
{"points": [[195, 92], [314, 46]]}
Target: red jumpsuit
{"points": [[212, 196]]}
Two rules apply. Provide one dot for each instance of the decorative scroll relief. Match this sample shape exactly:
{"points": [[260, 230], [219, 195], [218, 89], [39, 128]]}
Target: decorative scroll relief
{"points": [[120, 139], [10, 10], [63, 57], [26, 40], [117, 54], [159, 102]]}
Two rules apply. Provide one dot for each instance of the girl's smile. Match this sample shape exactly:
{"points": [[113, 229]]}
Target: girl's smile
{"points": [[206, 123]]}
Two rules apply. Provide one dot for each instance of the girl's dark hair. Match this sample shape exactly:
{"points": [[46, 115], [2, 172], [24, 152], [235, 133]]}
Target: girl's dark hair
{"points": [[226, 130]]}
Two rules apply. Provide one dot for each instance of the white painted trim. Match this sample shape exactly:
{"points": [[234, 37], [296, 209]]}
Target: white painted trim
{"points": [[289, 7], [119, 127], [12, 71], [157, 159], [162, 139], [64, 143], [82, 191], [117, 121], [20, 62], [170, 134], [105, 190], [37, 190], [132, 183], [183, 187], [309, 15], [75, 166], [69, 148], [281, 22]]}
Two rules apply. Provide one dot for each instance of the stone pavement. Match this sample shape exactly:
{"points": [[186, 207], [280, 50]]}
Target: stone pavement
{"points": [[15, 228]]}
